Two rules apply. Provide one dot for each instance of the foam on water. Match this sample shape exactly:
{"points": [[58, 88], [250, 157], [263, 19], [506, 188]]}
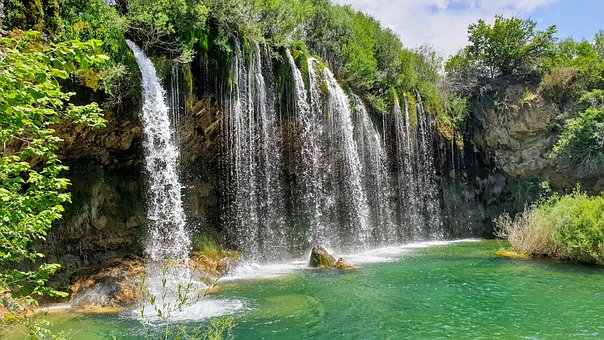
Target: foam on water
{"points": [[201, 310], [255, 271]]}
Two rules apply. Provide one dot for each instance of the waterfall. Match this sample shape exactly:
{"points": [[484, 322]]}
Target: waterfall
{"points": [[352, 200], [168, 242], [427, 172], [255, 208], [308, 188], [175, 105], [376, 179], [168, 236], [305, 163], [409, 205]]}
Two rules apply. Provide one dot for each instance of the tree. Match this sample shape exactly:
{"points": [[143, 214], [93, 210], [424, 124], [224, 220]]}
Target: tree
{"points": [[32, 190], [599, 43], [511, 46]]}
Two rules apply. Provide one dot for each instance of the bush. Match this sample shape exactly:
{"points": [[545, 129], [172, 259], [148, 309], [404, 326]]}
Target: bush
{"points": [[569, 227], [581, 143], [579, 229], [560, 85], [531, 232]]}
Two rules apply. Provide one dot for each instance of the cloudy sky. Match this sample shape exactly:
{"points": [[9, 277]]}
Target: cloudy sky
{"points": [[443, 24]]}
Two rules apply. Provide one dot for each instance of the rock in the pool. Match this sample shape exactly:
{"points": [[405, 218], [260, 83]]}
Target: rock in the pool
{"points": [[321, 258]]}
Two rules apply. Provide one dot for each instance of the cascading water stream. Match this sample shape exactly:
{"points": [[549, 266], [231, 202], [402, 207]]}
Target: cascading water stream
{"points": [[376, 179], [175, 104], [321, 172], [255, 207], [427, 173], [168, 240], [409, 217], [168, 235], [171, 288], [352, 201]]}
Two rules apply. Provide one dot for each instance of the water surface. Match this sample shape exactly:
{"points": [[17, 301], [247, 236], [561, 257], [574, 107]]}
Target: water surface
{"points": [[458, 291]]}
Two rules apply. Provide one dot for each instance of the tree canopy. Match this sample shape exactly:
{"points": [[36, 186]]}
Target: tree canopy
{"points": [[32, 188]]}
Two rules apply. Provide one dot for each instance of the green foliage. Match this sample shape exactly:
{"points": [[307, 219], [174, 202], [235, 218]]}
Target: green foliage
{"points": [[581, 143], [570, 227], [574, 67], [509, 46], [207, 246], [560, 86], [94, 19], [32, 14], [167, 25], [219, 328], [579, 229], [32, 191], [458, 111], [599, 43]]}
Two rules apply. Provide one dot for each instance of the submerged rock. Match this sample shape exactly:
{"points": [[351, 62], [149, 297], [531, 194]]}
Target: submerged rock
{"points": [[321, 258], [511, 254]]}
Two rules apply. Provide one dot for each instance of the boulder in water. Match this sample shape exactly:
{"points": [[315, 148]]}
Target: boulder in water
{"points": [[116, 284], [321, 258]]}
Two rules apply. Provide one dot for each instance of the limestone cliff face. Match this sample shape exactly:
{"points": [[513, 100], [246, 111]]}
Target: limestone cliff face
{"points": [[517, 128], [107, 217]]}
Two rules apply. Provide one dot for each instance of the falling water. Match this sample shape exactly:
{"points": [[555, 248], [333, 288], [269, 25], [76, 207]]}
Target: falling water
{"points": [[322, 172], [376, 179], [409, 217], [308, 188], [175, 105], [168, 239], [427, 174], [352, 201], [255, 208]]}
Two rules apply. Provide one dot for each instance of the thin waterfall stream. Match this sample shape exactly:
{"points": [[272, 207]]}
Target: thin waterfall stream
{"points": [[170, 284]]}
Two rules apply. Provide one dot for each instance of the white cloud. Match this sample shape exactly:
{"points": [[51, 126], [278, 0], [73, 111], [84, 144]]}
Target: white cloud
{"points": [[441, 24]]}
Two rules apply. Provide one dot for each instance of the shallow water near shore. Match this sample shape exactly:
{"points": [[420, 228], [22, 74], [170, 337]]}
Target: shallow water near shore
{"points": [[458, 290]]}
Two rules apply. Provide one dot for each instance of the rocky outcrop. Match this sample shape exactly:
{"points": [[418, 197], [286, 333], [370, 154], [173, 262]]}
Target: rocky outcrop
{"points": [[321, 258], [516, 130], [517, 127], [117, 284]]}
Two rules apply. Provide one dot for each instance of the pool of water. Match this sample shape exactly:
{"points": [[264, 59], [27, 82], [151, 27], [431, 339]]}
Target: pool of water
{"points": [[458, 290]]}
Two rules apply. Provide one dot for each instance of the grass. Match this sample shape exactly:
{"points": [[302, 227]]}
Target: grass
{"points": [[568, 227]]}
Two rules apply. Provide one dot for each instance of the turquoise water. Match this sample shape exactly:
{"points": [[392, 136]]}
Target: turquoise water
{"points": [[455, 291]]}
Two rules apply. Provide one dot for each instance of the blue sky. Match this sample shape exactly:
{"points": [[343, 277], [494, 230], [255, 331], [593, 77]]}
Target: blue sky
{"points": [[579, 19], [443, 24]]}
